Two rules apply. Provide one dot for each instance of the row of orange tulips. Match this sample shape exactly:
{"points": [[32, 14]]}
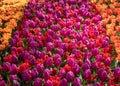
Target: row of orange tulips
{"points": [[10, 13], [110, 12]]}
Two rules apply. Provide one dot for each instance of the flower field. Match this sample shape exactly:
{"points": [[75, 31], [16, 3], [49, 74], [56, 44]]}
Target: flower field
{"points": [[60, 43]]}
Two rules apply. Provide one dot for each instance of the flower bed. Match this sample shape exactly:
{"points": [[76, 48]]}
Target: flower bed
{"points": [[60, 43]]}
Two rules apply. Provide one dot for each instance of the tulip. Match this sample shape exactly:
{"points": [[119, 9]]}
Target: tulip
{"points": [[49, 46], [13, 77], [6, 66], [117, 73], [87, 74], [95, 51], [102, 74], [76, 69], [49, 62], [63, 82], [26, 75], [70, 76], [60, 51], [13, 69], [32, 60], [34, 73], [61, 73], [85, 66], [46, 73], [107, 62], [14, 59], [98, 57], [2, 83], [40, 68], [77, 82], [48, 83], [37, 82]]}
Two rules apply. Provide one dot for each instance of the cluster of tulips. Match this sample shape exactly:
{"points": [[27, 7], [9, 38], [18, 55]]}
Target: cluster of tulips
{"points": [[110, 12], [10, 13], [60, 43]]}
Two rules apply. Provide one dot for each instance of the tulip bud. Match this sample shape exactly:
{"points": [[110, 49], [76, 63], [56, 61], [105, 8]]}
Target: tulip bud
{"points": [[61, 73], [6, 66], [102, 74], [107, 62], [34, 73], [13, 77], [63, 82], [14, 59], [2, 83], [87, 74], [37, 82], [95, 51], [46, 73], [76, 69], [117, 73], [85, 66], [77, 82], [49, 62], [26, 75], [49, 46], [48, 83], [13, 69], [70, 76], [40, 68]]}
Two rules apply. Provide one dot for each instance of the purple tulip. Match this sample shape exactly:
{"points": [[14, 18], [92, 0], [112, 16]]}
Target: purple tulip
{"points": [[49, 46], [95, 51], [42, 54], [107, 62], [63, 82], [70, 76], [60, 51], [46, 73], [13, 42], [102, 74], [87, 74], [98, 57], [71, 62], [57, 60], [76, 69], [48, 83], [13, 69], [13, 77], [2, 83], [49, 62], [34, 73], [6, 66], [85, 66], [104, 43], [61, 73], [40, 68], [32, 24], [37, 82], [77, 26], [26, 75], [32, 60], [14, 59], [94, 65], [117, 73], [77, 82]]}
